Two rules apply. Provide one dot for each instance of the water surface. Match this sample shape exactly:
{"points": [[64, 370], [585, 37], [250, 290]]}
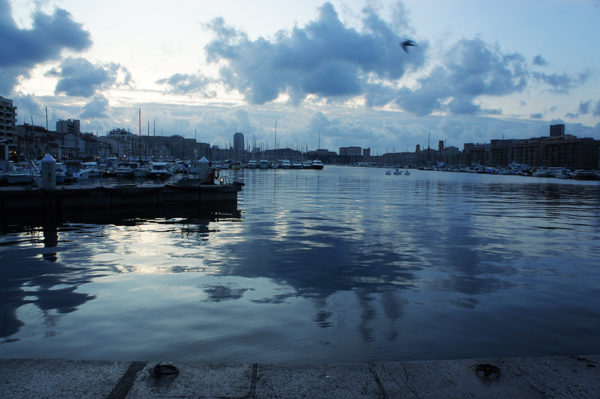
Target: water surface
{"points": [[338, 265]]}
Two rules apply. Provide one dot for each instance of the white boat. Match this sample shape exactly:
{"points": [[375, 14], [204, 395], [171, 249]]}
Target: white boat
{"points": [[159, 170], [252, 164], [92, 169], [285, 164], [264, 164], [316, 164], [296, 165], [19, 174], [306, 164]]}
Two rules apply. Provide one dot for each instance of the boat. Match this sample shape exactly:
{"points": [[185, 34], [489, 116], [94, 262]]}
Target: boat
{"points": [[581, 174], [252, 164], [285, 164], [306, 164], [388, 172], [296, 165], [19, 173], [407, 173], [92, 169], [264, 164], [397, 172], [316, 164], [159, 170]]}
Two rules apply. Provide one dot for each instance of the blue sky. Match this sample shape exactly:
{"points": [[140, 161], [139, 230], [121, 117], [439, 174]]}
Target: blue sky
{"points": [[480, 70]]}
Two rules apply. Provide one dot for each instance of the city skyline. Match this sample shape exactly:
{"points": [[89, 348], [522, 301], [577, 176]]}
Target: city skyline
{"points": [[479, 70]]}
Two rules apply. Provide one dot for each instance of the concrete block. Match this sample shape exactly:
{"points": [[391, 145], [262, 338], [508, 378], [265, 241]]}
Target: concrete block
{"points": [[452, 379], [58, 378], [560, 376], [194, 380], [312, 381]]}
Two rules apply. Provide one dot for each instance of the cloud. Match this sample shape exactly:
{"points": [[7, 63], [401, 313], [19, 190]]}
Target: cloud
{"points": [[22, 49], [539, 60], [584, 107], [97, 108], [537, 115], [325, 58], [562, 83], [471, 68], [27, 107], [180, 83], [79, 77], [596, 110]]}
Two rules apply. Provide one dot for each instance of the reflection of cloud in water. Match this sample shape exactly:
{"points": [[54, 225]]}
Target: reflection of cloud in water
{"points": [[218, 293]]}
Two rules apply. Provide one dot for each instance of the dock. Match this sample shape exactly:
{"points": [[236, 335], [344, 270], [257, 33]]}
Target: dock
{"points": [[99, 199], [542, 377]]}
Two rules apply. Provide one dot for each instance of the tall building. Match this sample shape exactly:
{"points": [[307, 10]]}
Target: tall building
{"points": [[557, 130], [8, 118], [238, 146], [68, 126]]}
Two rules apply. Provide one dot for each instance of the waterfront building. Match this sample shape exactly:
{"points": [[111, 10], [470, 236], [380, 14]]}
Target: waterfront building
{"points": [[557, 130], [238, 146], [350, 151], [71, 126], [8, 118]]}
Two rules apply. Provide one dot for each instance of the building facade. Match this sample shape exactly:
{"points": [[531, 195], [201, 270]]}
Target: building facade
{"points": [[8, 118], [238, 146]]}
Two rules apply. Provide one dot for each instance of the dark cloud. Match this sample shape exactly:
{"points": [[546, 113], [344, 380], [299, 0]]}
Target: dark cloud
{"points": [[596, 110], [22, 49], [562, 83], [79, 77], [181, 83], [584, 107], [471, 68], [537, 115], [539, 60], [97, 108], [325, 58]]}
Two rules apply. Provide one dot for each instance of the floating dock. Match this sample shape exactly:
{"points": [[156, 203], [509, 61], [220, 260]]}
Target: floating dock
{"points": [[96, 199]]}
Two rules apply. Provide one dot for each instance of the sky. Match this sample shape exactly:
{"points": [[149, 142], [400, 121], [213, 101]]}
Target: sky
{"points": [[307, 74]]}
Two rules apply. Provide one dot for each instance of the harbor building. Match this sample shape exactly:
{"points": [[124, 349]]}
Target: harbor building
{"points": [[557, 150], [557, 130], [8, 118], [238, 146], [71, 126]]}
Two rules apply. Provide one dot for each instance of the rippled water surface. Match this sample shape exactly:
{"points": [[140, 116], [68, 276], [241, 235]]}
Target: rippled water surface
{"points": [[338, 265]]}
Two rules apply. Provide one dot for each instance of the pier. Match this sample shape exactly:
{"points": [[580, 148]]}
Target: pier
{"points": [[542, 377], [106, 199]]}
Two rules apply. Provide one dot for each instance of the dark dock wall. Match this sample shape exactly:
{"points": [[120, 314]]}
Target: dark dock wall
{"points": [[94, 199]]}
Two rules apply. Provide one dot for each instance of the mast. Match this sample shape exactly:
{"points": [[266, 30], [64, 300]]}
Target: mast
{"points": [[276, 156], [140, 130]]}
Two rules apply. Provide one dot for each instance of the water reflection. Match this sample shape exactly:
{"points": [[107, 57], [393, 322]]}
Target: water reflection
{"points": [[330, 260], [31, 272]]}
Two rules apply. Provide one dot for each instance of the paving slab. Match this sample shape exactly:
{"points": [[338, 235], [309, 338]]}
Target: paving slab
{"points": [[194, 380], [316, 381], [481, 378], [560, 377], [31, 378]]}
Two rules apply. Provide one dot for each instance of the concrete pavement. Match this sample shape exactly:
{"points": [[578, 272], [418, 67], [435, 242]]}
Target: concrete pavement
{"points": [[544, 377]]}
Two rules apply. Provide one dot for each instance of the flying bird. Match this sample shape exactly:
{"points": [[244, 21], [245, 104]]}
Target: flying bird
{"points": [[407, 43]]}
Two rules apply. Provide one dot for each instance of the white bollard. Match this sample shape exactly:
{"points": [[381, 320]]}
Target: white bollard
{"points": [[48, 173], [204, 170]]}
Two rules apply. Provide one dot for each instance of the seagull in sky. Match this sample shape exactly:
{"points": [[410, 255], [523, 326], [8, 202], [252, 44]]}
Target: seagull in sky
{"points": [[407, 43]]}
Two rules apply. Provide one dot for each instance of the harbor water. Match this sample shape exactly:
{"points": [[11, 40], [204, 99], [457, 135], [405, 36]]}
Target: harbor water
{"points": [[338, 265]]}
